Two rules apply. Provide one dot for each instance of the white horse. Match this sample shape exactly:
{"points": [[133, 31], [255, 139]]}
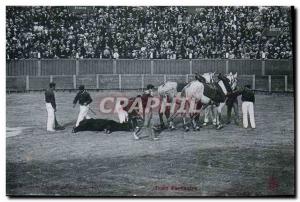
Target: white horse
{"points": [[168, 93], [205, 78], [195, 91]]}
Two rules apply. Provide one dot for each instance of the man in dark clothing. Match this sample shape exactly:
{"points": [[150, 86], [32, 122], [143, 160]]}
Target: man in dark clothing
{"points": [[148, 122], [84, 99], [248, 99], [232, 102], [52, 123]]}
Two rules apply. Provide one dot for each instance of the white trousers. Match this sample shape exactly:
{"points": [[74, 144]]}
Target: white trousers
{"points": [[51, 117], [208, 114], [248, 108], [123, 116], [83, 110]]}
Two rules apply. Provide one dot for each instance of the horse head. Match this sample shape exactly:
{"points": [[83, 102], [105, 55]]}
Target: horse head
{"points": [[209, 77], [232, 80]]}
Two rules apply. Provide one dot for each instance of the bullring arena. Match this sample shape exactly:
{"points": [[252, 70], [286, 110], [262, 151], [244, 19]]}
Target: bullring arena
{"points": [[229, 162]]}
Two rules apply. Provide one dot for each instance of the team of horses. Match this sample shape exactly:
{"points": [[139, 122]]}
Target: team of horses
{"points": [[195, 91]]}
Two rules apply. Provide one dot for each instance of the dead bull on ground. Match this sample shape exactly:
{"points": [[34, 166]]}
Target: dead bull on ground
{"points": [[102, 125]]}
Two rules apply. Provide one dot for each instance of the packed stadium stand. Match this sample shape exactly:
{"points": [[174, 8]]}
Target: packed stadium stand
{"points": [[149, 32]]}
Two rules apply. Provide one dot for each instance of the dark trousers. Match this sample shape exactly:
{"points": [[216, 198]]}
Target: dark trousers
{"points": [[233, 105]]}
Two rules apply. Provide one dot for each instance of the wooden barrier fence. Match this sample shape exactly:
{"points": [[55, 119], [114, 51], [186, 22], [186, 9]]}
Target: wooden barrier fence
{"points": [[271, 83], [78, 67]]}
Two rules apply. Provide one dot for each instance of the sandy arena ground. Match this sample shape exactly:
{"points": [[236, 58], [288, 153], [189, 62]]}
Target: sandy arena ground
{"points": [[229, 162]]}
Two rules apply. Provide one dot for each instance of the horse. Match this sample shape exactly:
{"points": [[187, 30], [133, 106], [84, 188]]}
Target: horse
{"points": [[195, 91], [203, 78], [168, 92]]}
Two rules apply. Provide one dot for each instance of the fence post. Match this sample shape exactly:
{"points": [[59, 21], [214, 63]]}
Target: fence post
{"points": [[227, 67], [143, 84], [97, 80], [152, 67], [191, 66], [77, 67], [120, 82], [27, 82], [165, 78], [186, 78], [253, 81], [270, 83], [74, 81], [114, 66], [285, 82], [51, 78], [263, 67], [39, 70]]}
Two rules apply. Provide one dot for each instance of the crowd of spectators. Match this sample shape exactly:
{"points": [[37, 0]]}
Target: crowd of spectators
{"points": [[149, 32]]}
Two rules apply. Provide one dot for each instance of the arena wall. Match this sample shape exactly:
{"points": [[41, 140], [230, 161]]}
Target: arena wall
{"points": [[68, 74], [281, 83], [128, 66]]}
